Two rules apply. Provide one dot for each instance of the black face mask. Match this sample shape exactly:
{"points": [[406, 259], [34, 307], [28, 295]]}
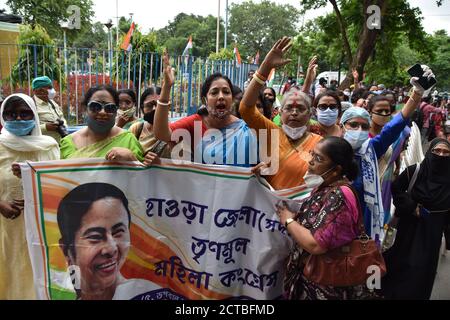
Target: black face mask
{"points": [[149, 116], [269, 101]]}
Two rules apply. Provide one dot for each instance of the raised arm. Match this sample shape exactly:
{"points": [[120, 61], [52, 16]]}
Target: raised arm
{"points": [[161, 122], [273, 59], [310, 75], [355, 78]]}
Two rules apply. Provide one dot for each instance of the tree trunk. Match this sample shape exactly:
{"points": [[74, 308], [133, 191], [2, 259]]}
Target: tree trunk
{"points": [[347, 49], [367, 42]]}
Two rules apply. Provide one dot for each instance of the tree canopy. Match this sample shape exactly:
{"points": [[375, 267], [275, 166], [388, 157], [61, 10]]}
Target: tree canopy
{"points": [[256, 26]]}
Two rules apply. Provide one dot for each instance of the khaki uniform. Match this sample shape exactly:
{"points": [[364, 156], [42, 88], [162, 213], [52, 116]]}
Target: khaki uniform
{"points": [[47, 114]]}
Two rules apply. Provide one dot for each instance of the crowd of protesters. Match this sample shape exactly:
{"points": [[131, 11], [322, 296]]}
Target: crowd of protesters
{"points": [[346, 145]]}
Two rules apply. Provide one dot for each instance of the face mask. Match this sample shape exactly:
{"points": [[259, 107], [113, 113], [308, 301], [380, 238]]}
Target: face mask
{"points": [[314, 180], [380, 120], [126, 113], [356, 137], [327, 117], [51, 93], [149, 116], [20, 127], [294, 133], [100, 127]]}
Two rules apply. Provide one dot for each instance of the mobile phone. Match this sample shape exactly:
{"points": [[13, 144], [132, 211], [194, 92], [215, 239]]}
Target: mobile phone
{"points": [[416, 71]]}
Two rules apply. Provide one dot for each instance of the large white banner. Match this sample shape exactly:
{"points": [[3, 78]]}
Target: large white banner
{"points": [[109, 230]]}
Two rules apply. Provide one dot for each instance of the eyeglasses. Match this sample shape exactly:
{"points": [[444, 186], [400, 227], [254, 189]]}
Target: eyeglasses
{"points": [[383, 113], [12, 115], [357, 125], [96, 107], [290, 109], [441, 152], [316, 157], [324, 107]]}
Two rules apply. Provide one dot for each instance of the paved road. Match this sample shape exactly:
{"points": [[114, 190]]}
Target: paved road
{"points": [[441, 289]]}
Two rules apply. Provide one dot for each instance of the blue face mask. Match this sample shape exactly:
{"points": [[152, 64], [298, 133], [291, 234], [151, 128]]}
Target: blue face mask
{"points": [[20, 127], [100, 127], [327, 117], [356, 137]]}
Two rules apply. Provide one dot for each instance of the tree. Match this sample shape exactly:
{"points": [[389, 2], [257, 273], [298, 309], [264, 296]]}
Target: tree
{"points": [[441, 65], [399, 22], [257, 26], [49, 13], [202, 29], [94, 37], [48, 60], [224, 54]]}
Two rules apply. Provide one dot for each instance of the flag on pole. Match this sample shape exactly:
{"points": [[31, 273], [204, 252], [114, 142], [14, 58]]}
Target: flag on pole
{"points": [[126, 44], [186, 51], [237, 56], [256, 59]]}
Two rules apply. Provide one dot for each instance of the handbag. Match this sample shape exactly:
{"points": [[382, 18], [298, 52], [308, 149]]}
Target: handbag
{"points": [[347, 265]]}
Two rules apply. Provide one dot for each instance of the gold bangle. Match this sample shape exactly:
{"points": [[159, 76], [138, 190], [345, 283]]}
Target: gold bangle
{"points": [[257, 79], [163, 104], [260, 76]]}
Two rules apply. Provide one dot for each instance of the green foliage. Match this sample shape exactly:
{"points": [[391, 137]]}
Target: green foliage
{"points": [[49, 13], [256, 26], [202, 29], [400, 40], [48, 61], [94, 37], [224, 54], [141, 43], [441, 64]]}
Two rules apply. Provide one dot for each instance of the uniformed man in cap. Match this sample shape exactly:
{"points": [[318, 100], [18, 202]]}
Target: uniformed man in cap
{"points": [[50, 114]]}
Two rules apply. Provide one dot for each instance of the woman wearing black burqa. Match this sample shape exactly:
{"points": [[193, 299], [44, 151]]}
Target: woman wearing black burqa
{"points": [[424, 215]]}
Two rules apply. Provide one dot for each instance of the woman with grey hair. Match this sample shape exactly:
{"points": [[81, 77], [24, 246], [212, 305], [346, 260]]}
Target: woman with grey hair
{"points": [[294, 140]]}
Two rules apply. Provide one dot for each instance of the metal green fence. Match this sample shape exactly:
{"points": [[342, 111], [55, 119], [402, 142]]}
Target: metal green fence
{"points": [[75, 70]]}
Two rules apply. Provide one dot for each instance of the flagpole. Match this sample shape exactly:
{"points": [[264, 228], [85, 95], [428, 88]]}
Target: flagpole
{"points": [[218, 28], [226, 25]]}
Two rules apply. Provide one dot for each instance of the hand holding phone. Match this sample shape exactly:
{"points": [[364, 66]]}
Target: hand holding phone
{"points": [[422, 78]]}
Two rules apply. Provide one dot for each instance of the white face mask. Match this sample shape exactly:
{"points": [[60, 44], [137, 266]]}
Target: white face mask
{"points": [[314, 180], [127, 113], [294, 133], [356, 137], [51, 93]]}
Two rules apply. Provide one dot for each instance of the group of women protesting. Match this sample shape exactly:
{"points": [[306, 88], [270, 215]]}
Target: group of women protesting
{"points": [[345, 158]]}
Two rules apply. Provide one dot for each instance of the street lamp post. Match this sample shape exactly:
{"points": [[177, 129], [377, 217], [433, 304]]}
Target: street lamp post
{"points": [[218, 28], [226, 25], [109, 25]]}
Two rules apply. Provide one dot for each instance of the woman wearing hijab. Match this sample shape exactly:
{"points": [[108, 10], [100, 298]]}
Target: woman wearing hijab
{"points": [[20, 140], [424, 216]]}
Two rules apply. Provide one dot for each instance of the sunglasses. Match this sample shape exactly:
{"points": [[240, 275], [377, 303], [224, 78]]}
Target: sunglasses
{"points": [[324, 107], [96, 107], [357, 125], [12, 115]]}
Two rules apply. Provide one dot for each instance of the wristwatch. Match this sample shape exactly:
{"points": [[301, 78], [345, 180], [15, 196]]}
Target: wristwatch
{"points": [[288, 221]]}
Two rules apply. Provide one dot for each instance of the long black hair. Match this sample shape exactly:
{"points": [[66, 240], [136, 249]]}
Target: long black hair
{"points": [[74, 206], [92, 90], [341, 153]]}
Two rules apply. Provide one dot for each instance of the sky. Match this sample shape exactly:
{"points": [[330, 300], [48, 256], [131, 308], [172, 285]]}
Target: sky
{"points": [[151, 14]]}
